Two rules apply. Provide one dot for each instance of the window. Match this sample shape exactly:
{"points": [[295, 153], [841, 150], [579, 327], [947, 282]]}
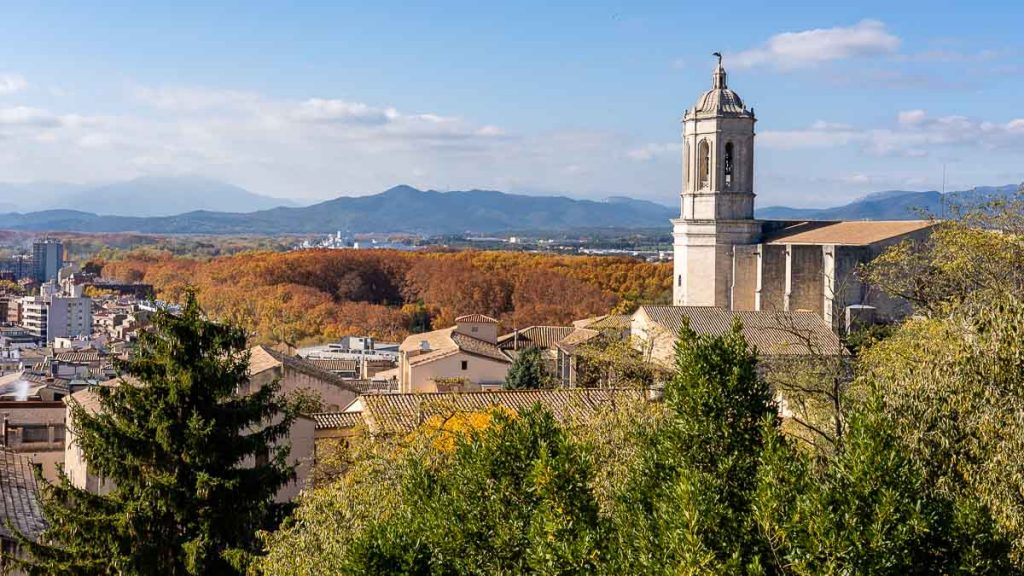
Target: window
{"points": [[465, 364], [35, 433], [474, 328], [680, 281], [703, 164], [728, 163]]}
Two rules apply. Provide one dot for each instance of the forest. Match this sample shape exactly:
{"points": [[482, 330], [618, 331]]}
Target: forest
{"points": [[305, 296]]}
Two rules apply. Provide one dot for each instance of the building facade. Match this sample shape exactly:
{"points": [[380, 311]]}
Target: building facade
{"points": [[47, 259], [463, 357], [724, 257]]}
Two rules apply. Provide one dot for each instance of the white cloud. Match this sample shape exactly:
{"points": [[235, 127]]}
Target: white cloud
{"points": [[333, 110], [11, 83], [811, 47], [914, 134], [192, 99], [653, 151], [911, 117], [27, 116], [313, 147]]}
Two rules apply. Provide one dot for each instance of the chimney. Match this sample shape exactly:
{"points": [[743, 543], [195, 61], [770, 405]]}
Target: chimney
{"points": [[5, 431]]}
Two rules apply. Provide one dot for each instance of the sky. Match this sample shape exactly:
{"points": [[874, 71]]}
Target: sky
{"points": [[312, 100]]}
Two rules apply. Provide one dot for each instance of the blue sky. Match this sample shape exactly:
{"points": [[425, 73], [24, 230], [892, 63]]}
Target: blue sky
{"points": [[313, 100]]}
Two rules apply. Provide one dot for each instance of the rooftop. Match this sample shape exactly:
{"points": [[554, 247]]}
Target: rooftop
{"points": [[475, 319], [534, 336], [334, 364], [336, 420], [447, 341], [399, 413], [850, 233], [772, 333], [576, 338], [263, 358], [19, 502]]}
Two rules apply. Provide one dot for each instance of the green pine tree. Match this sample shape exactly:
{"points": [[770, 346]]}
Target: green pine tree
{"points": [[195, 465], [527, 371], [691, 510]]}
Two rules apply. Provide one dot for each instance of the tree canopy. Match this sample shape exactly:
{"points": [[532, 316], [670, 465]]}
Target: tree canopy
{"points": [[192, 466]]}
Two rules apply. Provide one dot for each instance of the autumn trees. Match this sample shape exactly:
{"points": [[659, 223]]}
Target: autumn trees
{"points": [[299, 296]]}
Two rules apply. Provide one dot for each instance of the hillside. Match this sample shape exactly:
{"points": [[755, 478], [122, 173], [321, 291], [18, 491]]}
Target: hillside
{"points": [[166, 196], [892, 205], [399, 209], [429, 212]]}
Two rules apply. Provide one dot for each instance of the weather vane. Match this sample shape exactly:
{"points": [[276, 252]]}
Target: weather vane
{"points": [[719, 54]]}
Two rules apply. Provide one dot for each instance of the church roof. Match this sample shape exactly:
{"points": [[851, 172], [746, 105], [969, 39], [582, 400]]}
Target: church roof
{"points": [[854, 233]]}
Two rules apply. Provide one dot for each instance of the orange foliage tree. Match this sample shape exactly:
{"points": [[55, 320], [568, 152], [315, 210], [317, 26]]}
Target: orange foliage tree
{"points": [[304, 296]]}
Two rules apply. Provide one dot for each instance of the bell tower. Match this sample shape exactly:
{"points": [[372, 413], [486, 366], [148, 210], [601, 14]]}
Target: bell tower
{"points": [[717, 198]]}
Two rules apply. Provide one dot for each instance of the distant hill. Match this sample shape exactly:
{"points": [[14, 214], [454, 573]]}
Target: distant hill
{"points": [[145, 196], [399, 209], [892, 205], [31, 196], [428, 212], [167, 196]]}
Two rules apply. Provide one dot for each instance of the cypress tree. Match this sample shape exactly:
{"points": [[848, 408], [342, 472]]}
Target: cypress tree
{"points": [[195, 461]]}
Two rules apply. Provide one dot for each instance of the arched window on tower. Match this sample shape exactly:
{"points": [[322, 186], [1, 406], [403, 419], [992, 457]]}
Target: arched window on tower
{"points": [[703, 164], [728, 163]]}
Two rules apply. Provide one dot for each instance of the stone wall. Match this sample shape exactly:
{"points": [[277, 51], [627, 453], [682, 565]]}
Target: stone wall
{"points": [[773, 278], [806, 279], [744, 279]]}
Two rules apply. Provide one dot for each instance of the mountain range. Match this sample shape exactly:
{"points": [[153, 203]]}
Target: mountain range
{"points": [[399, 209], [407, 209], [145, 196], [893, 205]]}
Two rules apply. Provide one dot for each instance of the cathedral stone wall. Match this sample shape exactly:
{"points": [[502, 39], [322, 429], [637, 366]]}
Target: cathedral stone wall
{"points": [[806, 278], [773, 277], [744, 281]]}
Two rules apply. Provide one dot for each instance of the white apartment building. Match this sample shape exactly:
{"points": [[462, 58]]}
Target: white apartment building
{"points": [[63, 313]]}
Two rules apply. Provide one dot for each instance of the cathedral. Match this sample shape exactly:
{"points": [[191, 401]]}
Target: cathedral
{"points": [[726, 258]]}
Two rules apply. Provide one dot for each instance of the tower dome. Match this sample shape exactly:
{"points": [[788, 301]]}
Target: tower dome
{"points": [[719, 100]]}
